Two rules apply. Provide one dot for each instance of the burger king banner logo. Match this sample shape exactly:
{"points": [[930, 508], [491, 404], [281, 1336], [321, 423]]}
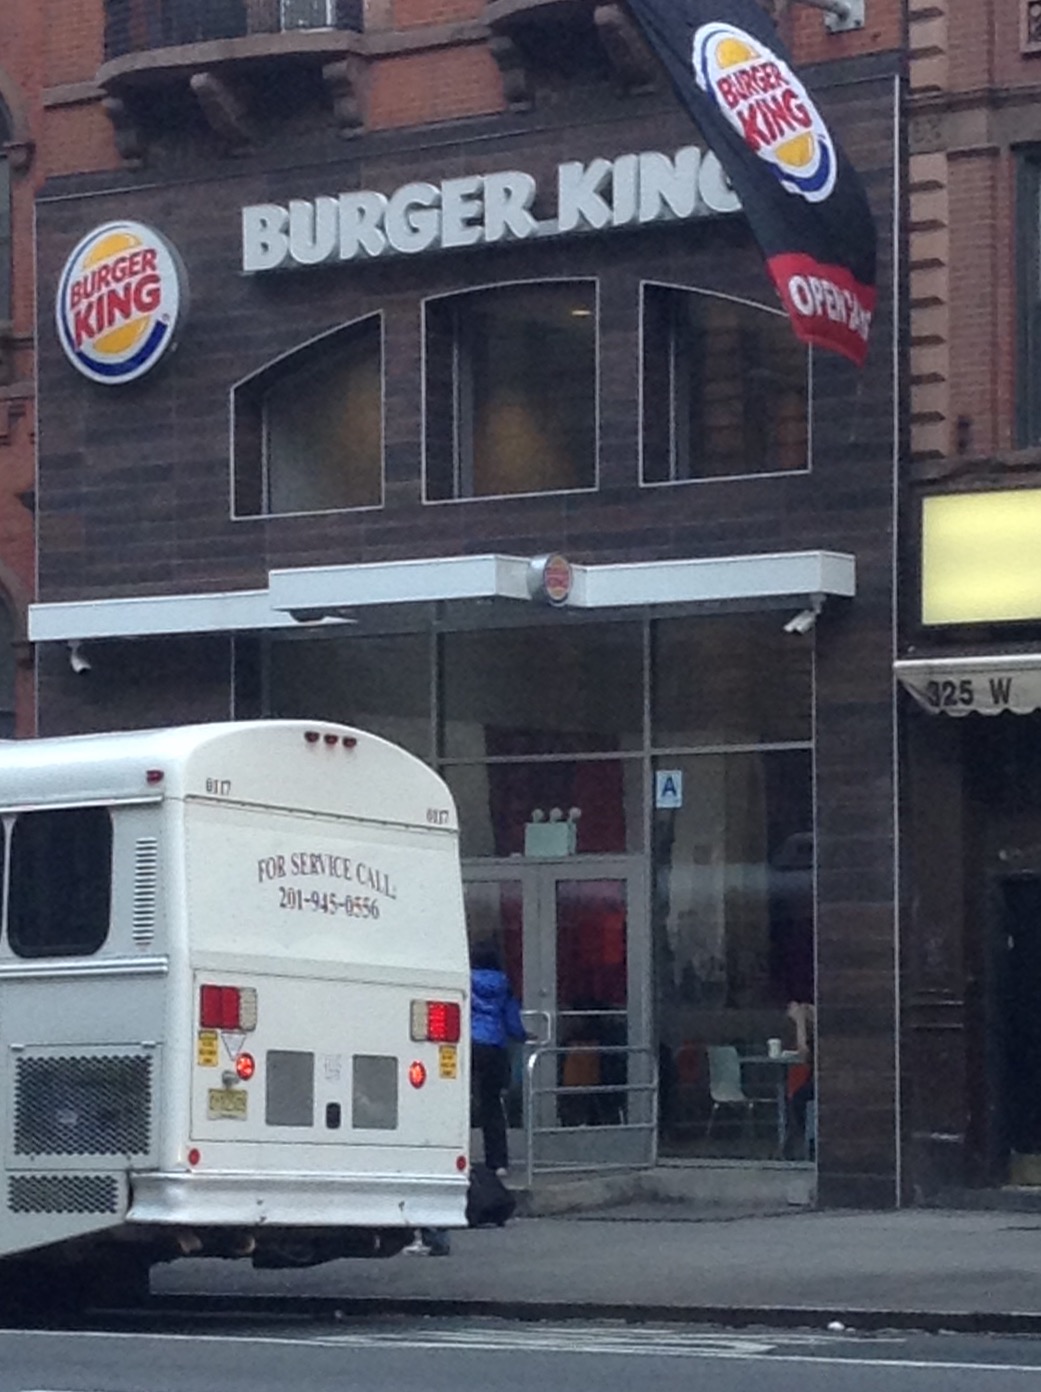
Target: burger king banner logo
{"points": [[120, 301], [768, 107], [805, 203]]}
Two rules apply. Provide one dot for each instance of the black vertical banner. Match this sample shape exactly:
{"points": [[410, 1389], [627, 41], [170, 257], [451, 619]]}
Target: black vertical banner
{"points": [[803, 199]]}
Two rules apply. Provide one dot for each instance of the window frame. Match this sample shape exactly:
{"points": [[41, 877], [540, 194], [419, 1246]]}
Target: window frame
{"points": [[676, 480], [1027, 229], [248, 397], [425, 394], [40, 951], [6, 221]]}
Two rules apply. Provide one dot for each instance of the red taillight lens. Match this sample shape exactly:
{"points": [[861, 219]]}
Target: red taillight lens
{"points": [[245, 1066], [219, 1007], [228, 1008], [417, 1074], [443, 1022], [436, 1021]]}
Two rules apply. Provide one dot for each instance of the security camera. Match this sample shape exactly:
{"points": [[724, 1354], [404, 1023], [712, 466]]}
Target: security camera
{"points": [[78, 659], [801, 622]]}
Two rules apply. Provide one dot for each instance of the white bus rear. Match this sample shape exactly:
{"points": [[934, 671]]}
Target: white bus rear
{"points": [[233, 997]]}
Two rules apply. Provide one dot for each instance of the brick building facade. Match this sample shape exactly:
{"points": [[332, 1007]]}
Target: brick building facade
{"points": [[336, 497], [972, 616], [21, 81]]}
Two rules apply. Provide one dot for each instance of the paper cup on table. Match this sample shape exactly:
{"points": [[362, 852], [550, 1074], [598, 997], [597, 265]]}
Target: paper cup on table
{"points": [[773, 1048]]}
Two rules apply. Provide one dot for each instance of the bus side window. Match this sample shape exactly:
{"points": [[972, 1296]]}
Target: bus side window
{"points": [[60, 882]]}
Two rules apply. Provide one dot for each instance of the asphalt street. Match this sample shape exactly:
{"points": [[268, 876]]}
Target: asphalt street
{"points": [[498, 1356]]}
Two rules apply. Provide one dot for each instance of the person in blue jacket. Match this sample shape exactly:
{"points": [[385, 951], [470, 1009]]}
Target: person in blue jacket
{"points": [[495, 1020]]}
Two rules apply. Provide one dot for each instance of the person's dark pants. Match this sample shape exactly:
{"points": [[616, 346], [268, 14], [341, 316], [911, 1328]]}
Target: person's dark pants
{"points": [[491, 1070], [800, 1101]]}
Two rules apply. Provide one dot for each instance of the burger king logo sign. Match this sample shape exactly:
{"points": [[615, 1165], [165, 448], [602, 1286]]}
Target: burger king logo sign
{"points": [[121, 295], [768, 107]]}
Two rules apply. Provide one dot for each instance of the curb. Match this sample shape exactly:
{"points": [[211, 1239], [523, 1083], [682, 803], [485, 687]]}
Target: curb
{"points": [[853, 1319]]}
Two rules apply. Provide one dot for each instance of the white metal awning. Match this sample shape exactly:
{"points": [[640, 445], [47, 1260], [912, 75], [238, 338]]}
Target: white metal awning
{"points": [[974, 685], [332, 593]]}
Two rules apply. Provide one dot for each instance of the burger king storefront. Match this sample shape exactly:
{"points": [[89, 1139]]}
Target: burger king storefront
{"points": [[497, 443]]}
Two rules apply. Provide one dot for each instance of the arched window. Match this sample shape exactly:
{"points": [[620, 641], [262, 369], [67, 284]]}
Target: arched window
{"points": [[309, 428], [726, 388], [7, 672], [511, 390], [5, 218]]}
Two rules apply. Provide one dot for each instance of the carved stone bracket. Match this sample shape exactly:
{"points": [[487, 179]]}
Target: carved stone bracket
{"points": [[516, 81], [630, 57], [10, 411], [224, 109], [344, 81], [130, 142], [19, 154]]}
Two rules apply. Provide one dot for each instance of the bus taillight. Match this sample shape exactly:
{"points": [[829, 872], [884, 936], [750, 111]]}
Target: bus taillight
{"points": [[228, 1008], [436, 1021]]}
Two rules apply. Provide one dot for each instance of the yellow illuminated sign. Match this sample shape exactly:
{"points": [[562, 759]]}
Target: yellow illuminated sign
{"points": [[981, 557]]}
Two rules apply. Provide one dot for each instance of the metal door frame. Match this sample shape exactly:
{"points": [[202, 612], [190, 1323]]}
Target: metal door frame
{"points": [[538, 879]]}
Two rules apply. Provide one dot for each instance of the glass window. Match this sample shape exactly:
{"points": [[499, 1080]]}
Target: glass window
{"points": [[5, 229], [7, 672], [725, 388], [511, 391], [1028, 239], [733, 924], [380, 684], [730, 679], [309, 431], [61, 882], [549, 807], [567, 689]]}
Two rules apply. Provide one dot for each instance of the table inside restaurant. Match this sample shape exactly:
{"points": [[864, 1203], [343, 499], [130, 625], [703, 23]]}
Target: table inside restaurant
{"points": [[780, 1064]]}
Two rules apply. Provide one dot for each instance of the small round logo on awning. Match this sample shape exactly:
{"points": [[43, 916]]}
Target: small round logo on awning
{"points": [[120, 300], [550, 578]]}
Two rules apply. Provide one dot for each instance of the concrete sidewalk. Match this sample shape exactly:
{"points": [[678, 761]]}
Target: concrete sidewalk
{"points": [[917, 1268]]}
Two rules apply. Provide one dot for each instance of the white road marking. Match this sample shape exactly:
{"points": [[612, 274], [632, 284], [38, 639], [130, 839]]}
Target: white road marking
{"points": [[633, 1343]]}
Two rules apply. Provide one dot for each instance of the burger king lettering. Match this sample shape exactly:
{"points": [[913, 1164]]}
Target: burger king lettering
{"points": [[119, 302], [631, 190]]}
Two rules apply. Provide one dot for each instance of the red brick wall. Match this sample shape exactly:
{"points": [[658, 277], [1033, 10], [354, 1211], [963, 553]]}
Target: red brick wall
{"points": [[439, 85], [408, 13], [22, 31], [811, 42]]}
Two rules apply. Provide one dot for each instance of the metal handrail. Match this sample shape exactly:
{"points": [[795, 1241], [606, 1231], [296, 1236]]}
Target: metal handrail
{"points": [[533, 1093]]}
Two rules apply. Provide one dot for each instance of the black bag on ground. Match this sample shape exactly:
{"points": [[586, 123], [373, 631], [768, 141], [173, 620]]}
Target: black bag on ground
{"points": [[488, 1202]]}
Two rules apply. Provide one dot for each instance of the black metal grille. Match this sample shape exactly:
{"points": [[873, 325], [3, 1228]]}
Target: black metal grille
{"points": [[62, 1194], [134, 26], [83, 1106]]}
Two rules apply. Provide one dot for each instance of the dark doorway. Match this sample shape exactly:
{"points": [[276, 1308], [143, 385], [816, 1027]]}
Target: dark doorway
{"points": [[1015, 1063]]}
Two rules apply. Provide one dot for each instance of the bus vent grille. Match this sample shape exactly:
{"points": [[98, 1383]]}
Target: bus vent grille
{"points": [[146, 890], [62, 1194], [96, 1105]]}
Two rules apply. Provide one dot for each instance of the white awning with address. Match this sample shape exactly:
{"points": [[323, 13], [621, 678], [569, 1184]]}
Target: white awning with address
{"points": [[974, 685]]}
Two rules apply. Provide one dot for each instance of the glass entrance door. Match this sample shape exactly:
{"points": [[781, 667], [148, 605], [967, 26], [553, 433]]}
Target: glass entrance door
{"points": [[573, 940]]}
